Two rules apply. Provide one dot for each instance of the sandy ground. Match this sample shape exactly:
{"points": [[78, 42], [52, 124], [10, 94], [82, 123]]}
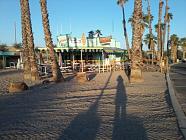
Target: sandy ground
{"points": [[105, 108]]}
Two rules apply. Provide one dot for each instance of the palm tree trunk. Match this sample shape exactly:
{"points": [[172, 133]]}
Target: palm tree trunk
{"points": [[125, 32], [174, 53], [57, 76], [136, 73], [30, 42], [151, 42], [159, 30], [168, 36], [26, 60], [165, 23], [164, 33]]}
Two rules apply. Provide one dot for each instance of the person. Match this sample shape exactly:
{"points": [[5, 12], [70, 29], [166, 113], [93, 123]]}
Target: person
{"points": [[127, 66]]}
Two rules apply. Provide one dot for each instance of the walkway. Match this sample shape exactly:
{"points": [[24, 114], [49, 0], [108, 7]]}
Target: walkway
{"points": [[106, 107]]}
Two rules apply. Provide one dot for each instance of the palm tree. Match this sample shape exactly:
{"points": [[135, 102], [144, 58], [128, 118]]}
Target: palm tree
{"points": [[136, 72], [169, 18], [3, 47], [57, 76], [159, 29], [182, 43], [162, 25], [144, 22], [30, 42], [26, 58], [174, 45], [151, 42], [147, 39], [165, 22], [91, 36], [144, 25], [98, 33], [121, 3]]}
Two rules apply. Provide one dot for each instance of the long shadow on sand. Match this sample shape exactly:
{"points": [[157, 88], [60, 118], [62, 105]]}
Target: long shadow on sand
{"points": [[126, 127], [86, 124]]}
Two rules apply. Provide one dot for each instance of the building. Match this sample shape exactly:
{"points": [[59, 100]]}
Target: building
{"points": [[9, 57], [88, 49]]}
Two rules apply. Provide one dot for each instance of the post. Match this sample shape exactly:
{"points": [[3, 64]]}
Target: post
{"points": [[3, 61], [81, 60], [103, 60], [99, 65], [73, 61]]}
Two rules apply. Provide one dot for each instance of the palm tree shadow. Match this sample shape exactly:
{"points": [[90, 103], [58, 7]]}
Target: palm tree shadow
{"points": [[126, 127], [86, 124]]}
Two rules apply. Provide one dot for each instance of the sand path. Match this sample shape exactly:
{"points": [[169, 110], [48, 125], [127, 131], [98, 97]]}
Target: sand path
{"points": [[104, 108]]}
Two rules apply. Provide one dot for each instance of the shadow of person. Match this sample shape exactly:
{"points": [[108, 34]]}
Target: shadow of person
{"points": [[126, 127], [86, 124]]}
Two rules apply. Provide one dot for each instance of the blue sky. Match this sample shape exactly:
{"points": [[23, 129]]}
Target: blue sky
{"points": [[78, 16]]}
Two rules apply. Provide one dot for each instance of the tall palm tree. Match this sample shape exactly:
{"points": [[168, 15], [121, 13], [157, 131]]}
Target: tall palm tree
{"points": [[147, 39], [136, 72], [98, 33], [174, 45], [91, 36], [169, 18], [57, 75], [121, 3], [159, 29], [26, 58], [182, 43], [144, 24], [3, 47], [162, 25], [151, 42], [165, 22], [30, 42], [164, 34]]}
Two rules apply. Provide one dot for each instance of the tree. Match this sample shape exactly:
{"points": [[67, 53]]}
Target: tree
{"points": [[147, 39], [30, 42], [98, 33], [144, 25], [151, 42], [121, 3], [57, 76], [144, 22], [159, 36], [3, 47], [169, 18], [165, 24], [182, 43], [174, 47], [91, 36], [26, 58], [136, 72]]}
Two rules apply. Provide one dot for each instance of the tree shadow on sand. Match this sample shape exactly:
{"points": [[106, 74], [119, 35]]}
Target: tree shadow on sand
{"points": [[86, 124], [126, 127]]}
